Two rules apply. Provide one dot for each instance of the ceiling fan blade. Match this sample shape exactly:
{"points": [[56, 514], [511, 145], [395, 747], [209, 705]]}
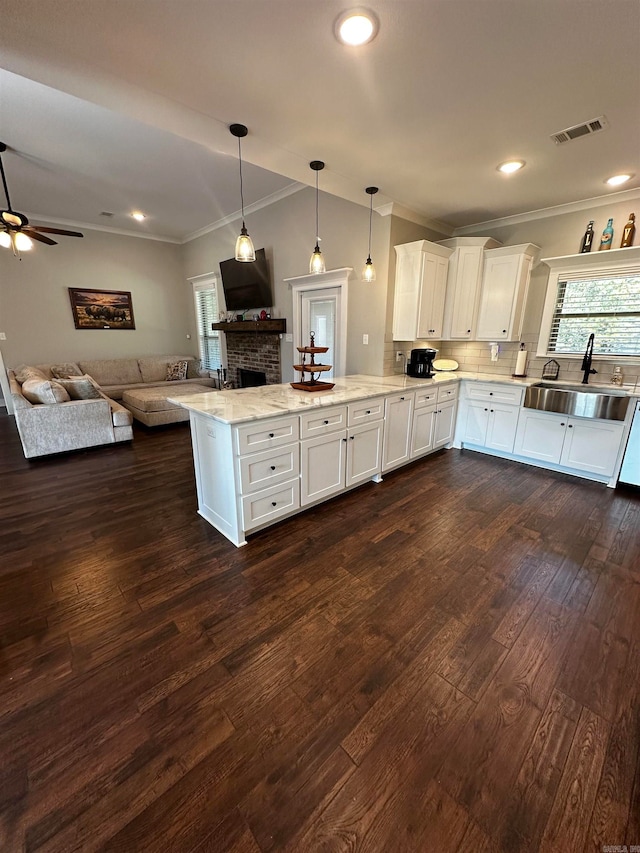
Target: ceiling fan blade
{"points": [[39, 237], [42, 228]]}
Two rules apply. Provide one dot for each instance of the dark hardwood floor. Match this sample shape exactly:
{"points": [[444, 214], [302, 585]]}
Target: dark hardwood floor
{"points": [[447, 661]]}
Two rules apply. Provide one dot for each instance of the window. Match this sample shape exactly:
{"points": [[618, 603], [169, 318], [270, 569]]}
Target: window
{"points": [[205, 294], [607, 306]]}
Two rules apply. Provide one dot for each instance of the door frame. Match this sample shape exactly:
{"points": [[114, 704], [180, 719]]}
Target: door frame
{"points": [[337, 279]]}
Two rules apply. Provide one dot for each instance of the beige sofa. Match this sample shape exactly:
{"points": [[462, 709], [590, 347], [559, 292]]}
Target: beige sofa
{"points": [[60, 423]]}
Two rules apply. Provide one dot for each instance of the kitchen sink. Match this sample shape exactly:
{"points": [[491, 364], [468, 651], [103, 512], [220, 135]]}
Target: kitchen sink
{"points": [[581, 401]]}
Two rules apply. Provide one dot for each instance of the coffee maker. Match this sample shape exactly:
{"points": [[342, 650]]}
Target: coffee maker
{"points": [[421, 363]]}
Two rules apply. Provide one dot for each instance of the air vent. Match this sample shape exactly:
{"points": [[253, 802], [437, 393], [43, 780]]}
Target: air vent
{"points": [[106, 213], [579, 130]]}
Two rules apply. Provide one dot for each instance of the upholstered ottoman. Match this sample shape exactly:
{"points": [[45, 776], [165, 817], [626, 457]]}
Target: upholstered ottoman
{"points": [[152, 408]]}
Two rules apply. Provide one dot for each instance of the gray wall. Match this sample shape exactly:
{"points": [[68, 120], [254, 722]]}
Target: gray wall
{"points": [[35, 311], [286, 230]]}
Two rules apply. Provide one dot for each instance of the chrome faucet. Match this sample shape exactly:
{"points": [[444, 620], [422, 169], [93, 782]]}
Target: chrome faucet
{"points": [[586, 361]]}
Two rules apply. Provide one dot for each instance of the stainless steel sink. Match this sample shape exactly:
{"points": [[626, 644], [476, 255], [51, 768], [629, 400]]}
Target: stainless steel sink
{"points": [[581, 401]]}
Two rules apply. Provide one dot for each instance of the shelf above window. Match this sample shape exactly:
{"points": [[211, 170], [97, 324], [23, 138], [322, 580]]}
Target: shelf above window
{"points": [[596, 260]]}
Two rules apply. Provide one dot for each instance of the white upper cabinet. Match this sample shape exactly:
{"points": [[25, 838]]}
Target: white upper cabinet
{"points": [[505, 283], [464, 282], [421, 282]]}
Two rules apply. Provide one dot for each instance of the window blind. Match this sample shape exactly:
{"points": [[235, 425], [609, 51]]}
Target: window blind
{"points": [[607, 306], [206, 303]]}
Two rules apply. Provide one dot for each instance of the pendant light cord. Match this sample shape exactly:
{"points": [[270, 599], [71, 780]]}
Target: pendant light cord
{"points": [[241, 188], [370, 217], [317, 214]]}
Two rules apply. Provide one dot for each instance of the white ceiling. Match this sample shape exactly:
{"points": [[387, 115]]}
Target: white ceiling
{"points": [[111, 106]]}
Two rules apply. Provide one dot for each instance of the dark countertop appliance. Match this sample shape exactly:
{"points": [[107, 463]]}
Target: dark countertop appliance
{"points": [[421, 363]]}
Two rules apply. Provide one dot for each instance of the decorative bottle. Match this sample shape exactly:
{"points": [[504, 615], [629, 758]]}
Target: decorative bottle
{"points": [[629, 232], [587, 240], [607, 236]]}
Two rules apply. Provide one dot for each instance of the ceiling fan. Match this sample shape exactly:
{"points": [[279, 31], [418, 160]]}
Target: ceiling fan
{"points": [[15, 231]]}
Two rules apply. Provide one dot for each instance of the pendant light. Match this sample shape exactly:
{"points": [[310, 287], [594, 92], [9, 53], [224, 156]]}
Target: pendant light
{"points": [[369, 271], [316, 264], [244, 245]]}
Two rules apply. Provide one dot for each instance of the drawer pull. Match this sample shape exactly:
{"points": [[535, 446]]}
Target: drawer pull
{"points": [[345, 440], [272, 435], [368, 412], [352, 437], [401, 399], [273, 467], [570, 426], [325, 422], [562, 424], [273, 503]]}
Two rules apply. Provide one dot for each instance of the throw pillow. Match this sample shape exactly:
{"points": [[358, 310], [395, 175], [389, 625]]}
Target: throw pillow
{"points": [[177, 371], [193, 368], [26, 371], [65, 370], [81, 388], [47, 391]]}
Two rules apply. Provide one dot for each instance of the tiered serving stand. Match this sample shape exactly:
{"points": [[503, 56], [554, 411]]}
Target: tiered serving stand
{"points": [[314, 370]]}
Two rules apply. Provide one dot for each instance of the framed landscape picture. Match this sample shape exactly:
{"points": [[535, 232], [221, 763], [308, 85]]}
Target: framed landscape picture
{"points": [[101, 309]]}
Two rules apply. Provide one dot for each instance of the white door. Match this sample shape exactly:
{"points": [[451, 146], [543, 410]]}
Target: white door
{"points": [[320, 315]]}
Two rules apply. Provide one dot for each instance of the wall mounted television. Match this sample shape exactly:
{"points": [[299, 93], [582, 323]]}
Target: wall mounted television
{"points": [[246, 285]]}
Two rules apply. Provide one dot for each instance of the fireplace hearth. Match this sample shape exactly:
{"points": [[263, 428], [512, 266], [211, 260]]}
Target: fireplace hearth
{"points": [[251, 378]]}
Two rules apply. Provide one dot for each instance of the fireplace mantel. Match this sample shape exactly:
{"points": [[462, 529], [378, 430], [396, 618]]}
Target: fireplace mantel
{"points": [[269, 327]]}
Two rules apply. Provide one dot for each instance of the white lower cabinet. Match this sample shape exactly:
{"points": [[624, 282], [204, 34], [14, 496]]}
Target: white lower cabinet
{"points": [[444, 424], [581, 444], [344, 457], [398, 410], [434, 419], [491, 416]]}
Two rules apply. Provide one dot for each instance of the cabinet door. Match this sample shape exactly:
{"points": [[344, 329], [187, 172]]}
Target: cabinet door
{"points": [[432, 293], [475, 423], [364, 452], [407, 295], [592, 446], [498, 296], [462, 298], [540, 435], [502, 426], [422, 432], [444, 424], [322, 467], [396, 445]]}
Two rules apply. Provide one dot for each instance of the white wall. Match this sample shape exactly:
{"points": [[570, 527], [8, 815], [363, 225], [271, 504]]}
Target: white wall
{"points": [[35, 310], [287, 232]]}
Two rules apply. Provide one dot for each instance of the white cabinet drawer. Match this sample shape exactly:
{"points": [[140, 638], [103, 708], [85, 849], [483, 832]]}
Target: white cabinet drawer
{"points": [[495, 392], [368, 410], [323, 421], [260, 470], [262, 435], [447, 392], [269, 504], [428, 397]]}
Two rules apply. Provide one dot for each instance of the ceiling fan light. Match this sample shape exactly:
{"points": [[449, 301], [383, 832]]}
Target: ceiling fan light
{"points": [[22, 242], [5, 240], [245, 251], [11, 218]]}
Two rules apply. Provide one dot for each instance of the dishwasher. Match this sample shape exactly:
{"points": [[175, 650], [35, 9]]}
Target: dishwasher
{"points": [[630, 470]]}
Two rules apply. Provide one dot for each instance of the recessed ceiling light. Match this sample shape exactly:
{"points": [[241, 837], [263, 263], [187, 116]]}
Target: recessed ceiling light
{"points": [[510, 166], [138, 216], [616, 180], [356, 27]]}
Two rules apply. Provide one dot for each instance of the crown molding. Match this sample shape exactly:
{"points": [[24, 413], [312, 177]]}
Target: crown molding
{"points": [[290, 189], [395, 209], [547, 212], [90, 226]]}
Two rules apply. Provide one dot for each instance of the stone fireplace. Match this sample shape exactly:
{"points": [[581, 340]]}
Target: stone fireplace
{"points": [[253, 351]]}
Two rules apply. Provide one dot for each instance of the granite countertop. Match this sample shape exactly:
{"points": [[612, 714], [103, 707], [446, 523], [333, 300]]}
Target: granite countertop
{"points": [[249, 404]]}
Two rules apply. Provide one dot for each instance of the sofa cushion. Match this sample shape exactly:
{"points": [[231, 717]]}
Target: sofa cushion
{"points": [[112, 371], [28, 371], [176, 372], [119, 414], [154, 368], [193, 368], [64, 370], [81, 388], [47, 391]]}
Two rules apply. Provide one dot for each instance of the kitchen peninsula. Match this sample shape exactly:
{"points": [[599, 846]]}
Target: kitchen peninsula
{"points": [[263, 454]]}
